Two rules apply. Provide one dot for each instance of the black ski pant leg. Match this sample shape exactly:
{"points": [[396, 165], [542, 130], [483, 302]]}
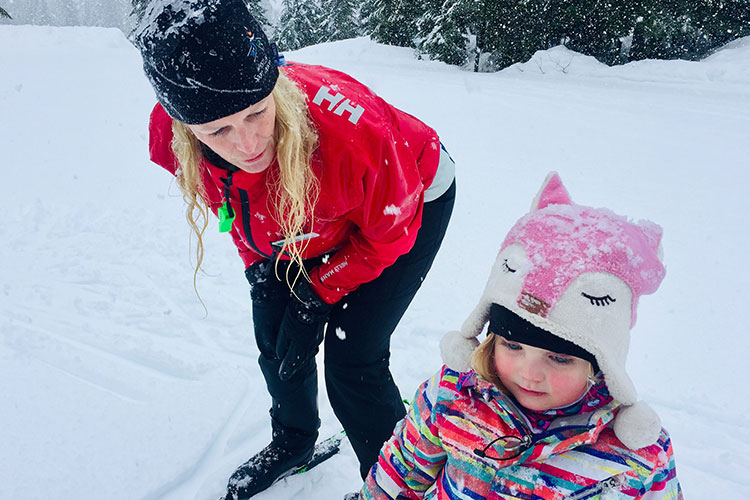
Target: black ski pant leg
{"points": [[360, 386], [294, 402]]}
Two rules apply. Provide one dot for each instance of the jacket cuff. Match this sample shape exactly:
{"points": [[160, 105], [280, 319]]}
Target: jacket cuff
{"points": [[329, 296]]}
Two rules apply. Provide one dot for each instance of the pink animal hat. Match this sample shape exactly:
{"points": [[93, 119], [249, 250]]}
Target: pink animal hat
{"points": [[576, 272]]}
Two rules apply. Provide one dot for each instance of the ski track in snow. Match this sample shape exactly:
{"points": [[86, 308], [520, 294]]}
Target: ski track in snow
{"points": [[191, 480]]}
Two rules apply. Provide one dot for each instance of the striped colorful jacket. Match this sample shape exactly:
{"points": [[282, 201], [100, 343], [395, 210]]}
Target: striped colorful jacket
{"points": [[436, 452]]}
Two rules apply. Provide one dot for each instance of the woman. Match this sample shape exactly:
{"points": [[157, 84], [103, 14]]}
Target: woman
{"points": [[337, 203]]}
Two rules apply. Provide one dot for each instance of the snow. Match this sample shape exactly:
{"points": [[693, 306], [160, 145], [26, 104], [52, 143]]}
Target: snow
{"points": [[391, 209], [340, 333], [116, 383], [186, 12]]}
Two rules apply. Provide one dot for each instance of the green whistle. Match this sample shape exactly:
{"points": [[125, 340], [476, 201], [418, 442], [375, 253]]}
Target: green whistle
{"points": [[225, 221]]}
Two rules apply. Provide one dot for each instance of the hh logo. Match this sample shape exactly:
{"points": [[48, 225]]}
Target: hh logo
{"points": [[339, 102]]}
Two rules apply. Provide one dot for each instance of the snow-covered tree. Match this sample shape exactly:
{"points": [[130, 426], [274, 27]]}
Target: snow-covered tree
{"points": [[688, 29], [393, 22], [498, 33], [488, 27], [340, 19], [441, 34], [139, 6], [601, 28], [66, 12], [255, 7], [258, 11], [300, 24]]}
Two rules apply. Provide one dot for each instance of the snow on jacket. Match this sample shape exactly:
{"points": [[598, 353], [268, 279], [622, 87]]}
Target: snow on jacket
{"points": [[373, 163], [432, 455]]}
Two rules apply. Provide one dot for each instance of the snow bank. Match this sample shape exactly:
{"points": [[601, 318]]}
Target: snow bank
{"points": [[729, 64]]}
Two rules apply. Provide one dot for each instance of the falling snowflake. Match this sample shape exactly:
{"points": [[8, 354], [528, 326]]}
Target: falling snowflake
{"points": [[391, 210]]}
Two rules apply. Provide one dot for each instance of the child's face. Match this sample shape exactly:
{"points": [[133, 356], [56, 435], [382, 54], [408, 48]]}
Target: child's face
{"points": [[540, 379]]}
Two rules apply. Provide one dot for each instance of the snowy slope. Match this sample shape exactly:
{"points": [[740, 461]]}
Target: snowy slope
{"points": [[115, 384]]}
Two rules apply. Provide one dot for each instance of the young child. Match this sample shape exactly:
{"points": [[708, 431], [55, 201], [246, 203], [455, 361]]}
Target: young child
{"points": [[543, 408]]}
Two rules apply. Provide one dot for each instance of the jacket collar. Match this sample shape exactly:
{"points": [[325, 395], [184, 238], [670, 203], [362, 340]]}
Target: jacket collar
{"points": [[219, 168], [216, 160], [565, 433]]}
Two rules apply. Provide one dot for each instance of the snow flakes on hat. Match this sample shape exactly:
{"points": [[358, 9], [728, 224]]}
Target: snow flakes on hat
{"points": [[577, 272]]}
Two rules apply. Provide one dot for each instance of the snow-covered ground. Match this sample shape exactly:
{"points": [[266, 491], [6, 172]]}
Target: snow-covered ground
{"points": [[115, 384]]}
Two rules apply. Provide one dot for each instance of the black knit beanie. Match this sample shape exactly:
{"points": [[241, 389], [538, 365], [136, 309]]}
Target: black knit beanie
{"points": [[513, 327], [206, 59]]}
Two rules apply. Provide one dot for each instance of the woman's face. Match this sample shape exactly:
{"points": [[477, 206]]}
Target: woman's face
{"points": [[540, 379], [244, 139]]}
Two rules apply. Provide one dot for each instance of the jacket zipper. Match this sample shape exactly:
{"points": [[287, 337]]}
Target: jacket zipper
{"points": [[596, 489], [247, 229], [276, 246]]}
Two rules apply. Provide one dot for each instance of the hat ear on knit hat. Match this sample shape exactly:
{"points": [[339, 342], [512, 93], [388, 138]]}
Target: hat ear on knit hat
{"points": [[576, 272]]}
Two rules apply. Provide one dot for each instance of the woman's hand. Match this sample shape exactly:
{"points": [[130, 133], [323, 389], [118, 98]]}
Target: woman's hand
{"points": [[270, 297], [263, 282], [301, 329]]}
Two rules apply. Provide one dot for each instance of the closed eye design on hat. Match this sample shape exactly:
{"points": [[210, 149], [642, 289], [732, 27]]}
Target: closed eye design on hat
{"points": [[599, 301]]}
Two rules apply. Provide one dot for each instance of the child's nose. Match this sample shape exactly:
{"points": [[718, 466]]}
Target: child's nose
{"points": [[533, 371]]}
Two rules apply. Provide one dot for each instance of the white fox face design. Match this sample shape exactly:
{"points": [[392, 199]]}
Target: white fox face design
{"points": [[594, 304], [562, 241]]}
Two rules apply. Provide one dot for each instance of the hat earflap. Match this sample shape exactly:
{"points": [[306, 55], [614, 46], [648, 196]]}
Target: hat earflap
{"points": [[457, 347], [456, 350], [637, 425]]}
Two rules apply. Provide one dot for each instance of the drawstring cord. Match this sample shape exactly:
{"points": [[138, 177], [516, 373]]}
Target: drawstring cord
{"points": [[521, 445]]}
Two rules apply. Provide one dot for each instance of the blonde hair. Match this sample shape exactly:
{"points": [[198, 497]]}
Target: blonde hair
{"points": [[293, 186], [483, 361]]}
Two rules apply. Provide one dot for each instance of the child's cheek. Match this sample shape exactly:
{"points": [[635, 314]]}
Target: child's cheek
{"points": [[504, 366], [566, 387], [558, 382]]}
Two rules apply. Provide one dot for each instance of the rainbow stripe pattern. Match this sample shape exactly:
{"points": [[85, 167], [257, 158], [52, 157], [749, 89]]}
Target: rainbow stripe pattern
{"points": [[433, 452]]}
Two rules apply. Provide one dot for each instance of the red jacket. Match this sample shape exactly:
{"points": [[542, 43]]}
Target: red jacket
{"points": [[373, 163]]}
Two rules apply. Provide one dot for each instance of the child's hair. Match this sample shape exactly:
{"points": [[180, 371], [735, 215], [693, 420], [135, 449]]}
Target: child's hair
{"points": [[483, 361], [294, 187]]}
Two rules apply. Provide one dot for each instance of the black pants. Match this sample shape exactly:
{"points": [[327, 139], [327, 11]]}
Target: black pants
{"points": [[360, 386]]}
